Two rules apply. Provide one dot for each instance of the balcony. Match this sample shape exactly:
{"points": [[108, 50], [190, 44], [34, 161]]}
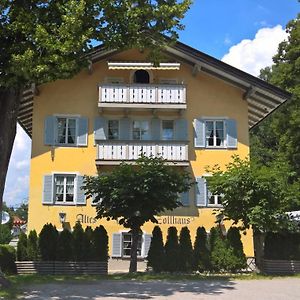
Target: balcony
{"points": [[114, 152], [168, 96]]}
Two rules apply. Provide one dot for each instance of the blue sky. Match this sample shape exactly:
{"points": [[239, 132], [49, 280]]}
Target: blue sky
{"points": [[243, 33]]}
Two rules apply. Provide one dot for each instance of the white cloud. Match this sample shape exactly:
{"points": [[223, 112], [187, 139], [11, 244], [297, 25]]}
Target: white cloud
{"points": [[22, 164], [253, 55]]}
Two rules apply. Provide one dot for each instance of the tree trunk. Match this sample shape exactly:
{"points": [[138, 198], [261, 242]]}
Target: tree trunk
{"points": [[133, 252], [259, 245], [9, 109]]}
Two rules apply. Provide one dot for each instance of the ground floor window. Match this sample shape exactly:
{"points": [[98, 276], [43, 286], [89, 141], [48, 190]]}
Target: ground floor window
{"points": [[215, 200], [127, 242]]}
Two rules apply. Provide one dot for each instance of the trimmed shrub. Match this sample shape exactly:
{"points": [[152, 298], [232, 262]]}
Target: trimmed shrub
{"points": [[100, 244], [201, 255], [22, 247], [5, 234], [172, 250], [88, 244], [78, 242], [64, 250], [7, 259], [234, 241], [156, 253], [32, 246], [48, 242], [185, 250]]}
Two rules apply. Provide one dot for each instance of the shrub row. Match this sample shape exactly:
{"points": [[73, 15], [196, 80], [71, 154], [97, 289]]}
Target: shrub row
{"points": [[7, 259], [217, 253], [78, 245]]}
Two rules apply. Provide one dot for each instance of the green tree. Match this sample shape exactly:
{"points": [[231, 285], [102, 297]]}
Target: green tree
{"points": [[88, 243], [32, 245], [100, 243], [22, 247], [156, 253], [5, 234], [172, 251], [64, 249], [255, 196], [201, 261], [48, 242], [134, 195], [185, 250], [78, 242]]}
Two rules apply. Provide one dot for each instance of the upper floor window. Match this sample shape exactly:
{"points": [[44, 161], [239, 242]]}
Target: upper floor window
{"points": [[66, 130], [167, 129], [214, 133], [141, 76], [113, 129], [64, 188], [140, 130]]}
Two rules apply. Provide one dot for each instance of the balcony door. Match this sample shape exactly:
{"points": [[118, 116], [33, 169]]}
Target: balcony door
{"points": [[141, 76]]}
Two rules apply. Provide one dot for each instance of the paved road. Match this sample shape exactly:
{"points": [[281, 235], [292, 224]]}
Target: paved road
{"points": [[281, 289]]}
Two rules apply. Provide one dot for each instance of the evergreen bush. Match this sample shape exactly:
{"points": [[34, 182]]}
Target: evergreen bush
{"points": [[32, 246], [156, 253], [78, 242], [64, 250], [185, 251], [22, 247], [88, 244], [201, 255], [172, 250], [7, 259], [48, 242], [100, 244], [5, 234]]}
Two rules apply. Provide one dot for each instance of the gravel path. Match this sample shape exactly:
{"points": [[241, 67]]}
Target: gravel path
{"points": [[281, 289]]}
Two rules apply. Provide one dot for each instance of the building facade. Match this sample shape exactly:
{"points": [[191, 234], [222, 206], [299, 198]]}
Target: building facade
{"points": [[192, 110]]}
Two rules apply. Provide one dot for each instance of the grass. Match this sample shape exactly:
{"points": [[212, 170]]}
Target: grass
{"points": [[19, 281]]}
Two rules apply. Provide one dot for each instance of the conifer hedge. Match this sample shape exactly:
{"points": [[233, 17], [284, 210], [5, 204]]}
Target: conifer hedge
{"points": [[156, 253]]}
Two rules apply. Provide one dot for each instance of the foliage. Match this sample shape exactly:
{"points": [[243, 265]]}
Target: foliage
{"points": [[5, 234], [7, 259], [185, 251], [283, 245], [22, 247], [78, 242], [22, 211], [88, 244], [64, 248], [172, 251], [48, 242], [133, 195], [201, 255], [156, 253], [100, 243], [32, 246]]}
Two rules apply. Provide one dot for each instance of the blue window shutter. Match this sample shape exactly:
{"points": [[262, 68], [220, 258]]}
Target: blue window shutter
{"points": [[82, 131], [125, 129], [80, 196], [116, 245], [50, 123], [201, 192], [199, 132], [100, 129], [147, 242], [184, 198], [181, 129], [48, 190], [231, 131], [155, 129]]}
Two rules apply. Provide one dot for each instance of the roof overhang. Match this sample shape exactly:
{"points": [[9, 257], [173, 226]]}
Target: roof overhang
{"points": [[136, 65]]}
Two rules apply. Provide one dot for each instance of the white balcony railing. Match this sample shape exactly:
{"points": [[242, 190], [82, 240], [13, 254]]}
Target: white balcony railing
{"points": [[132, 150], [142, 93]]}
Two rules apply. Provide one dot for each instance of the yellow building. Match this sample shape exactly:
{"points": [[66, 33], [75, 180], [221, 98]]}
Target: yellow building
{"points": [[192, 109]]}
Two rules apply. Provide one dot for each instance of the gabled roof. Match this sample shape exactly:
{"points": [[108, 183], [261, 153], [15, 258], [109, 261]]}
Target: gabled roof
{"points": [[262, 97]]}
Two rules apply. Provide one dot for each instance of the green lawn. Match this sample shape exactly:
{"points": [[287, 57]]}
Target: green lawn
{"points": [[18, 281]]}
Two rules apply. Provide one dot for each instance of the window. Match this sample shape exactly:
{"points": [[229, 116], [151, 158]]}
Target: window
{"points": [[64, 186], [126, 244], [214, 200], [113, 129], [214, 133], [66, 131], [167, 129], [140, 130], [141, 76]]}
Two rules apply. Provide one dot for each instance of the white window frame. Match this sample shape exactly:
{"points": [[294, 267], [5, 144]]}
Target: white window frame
{"points": [[118, 129], [67, 117], [215, 204], [215, 137], [140, 120], [122, 244], [64, 202]]}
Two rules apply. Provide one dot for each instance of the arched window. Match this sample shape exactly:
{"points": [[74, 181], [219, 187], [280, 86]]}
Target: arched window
{"points": [[141, 76]]}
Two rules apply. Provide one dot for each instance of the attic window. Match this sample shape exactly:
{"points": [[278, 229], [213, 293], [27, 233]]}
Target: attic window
{"points": [[141, 76]]}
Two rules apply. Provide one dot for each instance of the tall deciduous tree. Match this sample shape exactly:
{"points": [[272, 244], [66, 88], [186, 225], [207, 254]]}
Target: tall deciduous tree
{"points": [[133, 195]]}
